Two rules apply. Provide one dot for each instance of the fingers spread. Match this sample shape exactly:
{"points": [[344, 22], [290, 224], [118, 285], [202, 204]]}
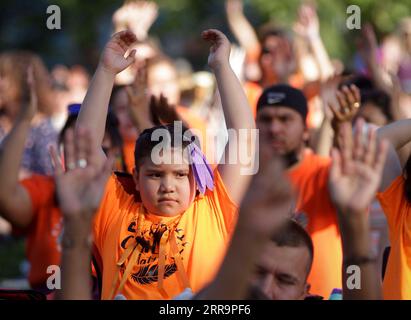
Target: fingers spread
{"points": [[69, 150], [93, 153], [371, 144], [336, 164], [56, 161], [81, 147], [358, 141], [344, 107]]}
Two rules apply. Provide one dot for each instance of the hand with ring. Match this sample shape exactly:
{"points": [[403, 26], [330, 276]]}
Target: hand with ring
{"points": [[81, 186], [347, 104]]}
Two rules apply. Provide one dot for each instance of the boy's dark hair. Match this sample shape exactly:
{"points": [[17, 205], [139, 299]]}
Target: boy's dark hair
{"points": [[145, 143], [292, 234]]}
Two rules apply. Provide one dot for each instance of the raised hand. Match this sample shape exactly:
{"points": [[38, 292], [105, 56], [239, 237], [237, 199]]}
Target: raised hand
{"points": [[219, 50], [137, 16], [234, 7], [328, 91], [345, 107], [81, 186], [28, 110], [139, 104], [307, 24], [113, 57], [368, 45], [356, 170]]}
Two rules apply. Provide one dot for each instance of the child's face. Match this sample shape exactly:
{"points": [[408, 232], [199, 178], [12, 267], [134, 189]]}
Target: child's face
{"points": [[166, 189]]}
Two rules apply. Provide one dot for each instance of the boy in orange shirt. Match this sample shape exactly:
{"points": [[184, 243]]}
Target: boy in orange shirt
{"points": [[175, 236]]}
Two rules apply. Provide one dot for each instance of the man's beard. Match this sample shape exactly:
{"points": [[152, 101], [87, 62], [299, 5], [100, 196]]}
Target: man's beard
{"points": [[290, 158]]}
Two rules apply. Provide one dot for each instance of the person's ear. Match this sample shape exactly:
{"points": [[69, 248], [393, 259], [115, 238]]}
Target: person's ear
{"points": [[135, 178], [306, 134], [306, 291]]}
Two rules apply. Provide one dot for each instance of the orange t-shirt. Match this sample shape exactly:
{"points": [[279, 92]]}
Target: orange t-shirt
{"points": [[253, 92], [43, 235], [128, 152], [397, 279], [202, 234], [310, 179]]}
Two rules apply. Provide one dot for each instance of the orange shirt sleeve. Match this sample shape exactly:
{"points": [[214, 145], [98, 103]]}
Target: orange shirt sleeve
{"points": [[392, 200], [224, 206], [40, 189]]}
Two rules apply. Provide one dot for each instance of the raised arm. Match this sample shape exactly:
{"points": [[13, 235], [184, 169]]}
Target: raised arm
{"points": [[308, 27], [354, 178], [242, 29], [369, 50], [138, 101], [385, 81], [341, 106], [15, 202], [398, 133], [79, 192], [344, 108], [93, 112], [237, 114], [137, 16]]}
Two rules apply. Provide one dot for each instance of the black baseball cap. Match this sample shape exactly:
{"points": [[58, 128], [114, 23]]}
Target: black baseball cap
{"points": [[283, 95]]}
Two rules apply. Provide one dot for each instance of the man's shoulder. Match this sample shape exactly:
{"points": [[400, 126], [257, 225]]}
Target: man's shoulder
{"points": [[316, 161], [312, 164]]}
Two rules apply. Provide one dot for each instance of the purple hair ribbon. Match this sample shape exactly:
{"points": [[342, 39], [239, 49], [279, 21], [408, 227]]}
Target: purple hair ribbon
{"points": [[202, 171]]}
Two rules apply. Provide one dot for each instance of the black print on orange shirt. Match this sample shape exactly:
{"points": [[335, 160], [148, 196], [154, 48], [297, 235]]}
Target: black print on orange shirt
{"points": [[147, 260], [149, 274]]}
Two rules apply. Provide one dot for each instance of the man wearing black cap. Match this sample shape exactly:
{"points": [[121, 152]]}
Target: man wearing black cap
{"points": [[281, 119]]}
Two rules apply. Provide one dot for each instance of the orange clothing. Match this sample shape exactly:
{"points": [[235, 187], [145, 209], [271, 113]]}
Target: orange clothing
{"points": [[43, 235], [296, 80], [201, 232], [397, 279], [253, 92], [310, 179], [128, 152]]}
